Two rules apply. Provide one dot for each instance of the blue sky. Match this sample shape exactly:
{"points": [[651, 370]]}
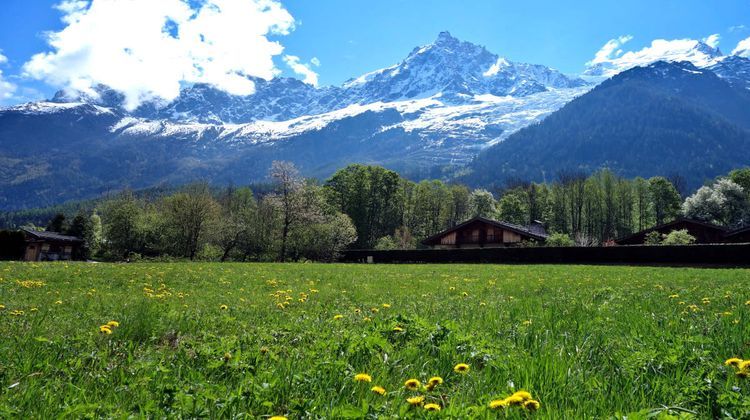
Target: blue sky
{"points": [[351, 37]]}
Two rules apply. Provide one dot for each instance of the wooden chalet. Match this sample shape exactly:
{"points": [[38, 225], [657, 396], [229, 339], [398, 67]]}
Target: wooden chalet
{"points": [[704, 233], [739, 236], [50, 246], [485, 233]]}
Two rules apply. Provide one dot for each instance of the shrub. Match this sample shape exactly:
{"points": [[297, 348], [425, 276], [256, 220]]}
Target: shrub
{"points": [[678, 237], [559, 239], [653, 238]]}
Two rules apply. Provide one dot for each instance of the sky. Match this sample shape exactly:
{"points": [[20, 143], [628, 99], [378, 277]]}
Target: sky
{"points": [[150, 48]]}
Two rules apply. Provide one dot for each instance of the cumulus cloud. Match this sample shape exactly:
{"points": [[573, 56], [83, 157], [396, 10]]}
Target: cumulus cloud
{"points": [[7, 89], [611, 59], [610, 50], [147, 49], [302, 69], [712, 40], [743, 48]]}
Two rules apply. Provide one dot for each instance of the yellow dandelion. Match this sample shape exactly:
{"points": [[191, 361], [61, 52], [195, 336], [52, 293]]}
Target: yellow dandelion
{"points": [[386, 305], [461, 368], [744, 366], [280, 305], [465, 294], [105, 329], [733, 361], [412, 384], [278, 418], [378, 390], [496, 404], [2, 307], [435, 381], [747, 303], [338, 316], [524, 395], [432, 407], [113, 324], [415, 400], [514, 400], [367, 319], [223, 307], [675, 296], [362, 377], [531, 405], [59, 302], [227, 356], [398, 329], [374, 310]]}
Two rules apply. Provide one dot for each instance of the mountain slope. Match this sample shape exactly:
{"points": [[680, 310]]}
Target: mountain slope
{"points": [[655, 120]]}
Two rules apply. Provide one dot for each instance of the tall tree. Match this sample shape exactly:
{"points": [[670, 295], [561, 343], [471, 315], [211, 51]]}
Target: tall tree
{"points": [[665, 199], [188, 214]]}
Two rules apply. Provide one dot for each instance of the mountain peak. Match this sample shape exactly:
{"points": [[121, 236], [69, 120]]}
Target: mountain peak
{"points": [[445, 37]]}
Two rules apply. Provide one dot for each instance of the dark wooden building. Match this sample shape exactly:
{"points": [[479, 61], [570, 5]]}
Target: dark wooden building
{"points": [[739, 236], [485, 233], [50, 246], [704, 233]]}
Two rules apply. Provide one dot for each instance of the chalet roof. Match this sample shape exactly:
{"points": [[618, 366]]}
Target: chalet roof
{"points": [[51, 236], [521, 230], [675, 222], [738, 231]]}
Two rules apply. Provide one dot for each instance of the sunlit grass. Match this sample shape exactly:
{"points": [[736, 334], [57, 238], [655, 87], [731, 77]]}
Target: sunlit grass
{"points": [[226, 340]]}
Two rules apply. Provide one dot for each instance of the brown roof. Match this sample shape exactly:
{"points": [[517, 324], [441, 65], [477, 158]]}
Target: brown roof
{"points": [[672, 223], [51, 236], [521, 230]]}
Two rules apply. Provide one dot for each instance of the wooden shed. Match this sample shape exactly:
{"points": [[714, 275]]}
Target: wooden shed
{"points": [[486, 233], [704, 233], [50, 246]]}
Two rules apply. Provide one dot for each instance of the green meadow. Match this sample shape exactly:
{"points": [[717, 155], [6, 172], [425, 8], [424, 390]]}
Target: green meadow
{"points": [[263, 340]]}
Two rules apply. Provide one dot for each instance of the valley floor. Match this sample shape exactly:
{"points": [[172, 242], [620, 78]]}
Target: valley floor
{"points": [[262, 340]]}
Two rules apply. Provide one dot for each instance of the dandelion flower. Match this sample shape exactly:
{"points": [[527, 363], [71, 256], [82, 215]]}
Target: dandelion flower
{"points": [[398, 329], [339, 316], [59, 302], [223, 307], [412, 384], [675, 296], [113, 324], [415, 400], [378, 390], [432, 407], [531, 405], [362, 377], [105, 329], [524, 395], [514, 400], [434, 381], [461, 368], [2, 307], [495, 404], [386, 305], [278, 418]]}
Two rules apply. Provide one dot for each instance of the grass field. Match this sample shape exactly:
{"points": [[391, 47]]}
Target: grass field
{"points": [[263, 340]]}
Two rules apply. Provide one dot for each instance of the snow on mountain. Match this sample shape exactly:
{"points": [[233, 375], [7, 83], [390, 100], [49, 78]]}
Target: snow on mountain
{"points": [[735, 69], [696, 52]]}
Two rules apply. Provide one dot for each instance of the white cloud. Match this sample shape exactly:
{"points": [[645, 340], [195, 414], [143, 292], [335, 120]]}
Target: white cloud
{"points": [[743, 48], [147, 49], [610, 50], [610, 59], [7, 89], [315, 61], [310, 77], [737, 28], [712, 40]]}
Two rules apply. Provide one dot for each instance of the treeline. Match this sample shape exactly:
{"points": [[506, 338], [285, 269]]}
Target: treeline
{"points": [[372, 207]]}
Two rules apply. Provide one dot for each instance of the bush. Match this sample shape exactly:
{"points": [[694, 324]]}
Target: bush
{"points": [[652, 238], [559, 239], [678, 237]]}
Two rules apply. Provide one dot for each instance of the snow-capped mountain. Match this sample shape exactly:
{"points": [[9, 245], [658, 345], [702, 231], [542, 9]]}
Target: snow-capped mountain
{"points": [[440, 106], [695, 52], [735, 69]]}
